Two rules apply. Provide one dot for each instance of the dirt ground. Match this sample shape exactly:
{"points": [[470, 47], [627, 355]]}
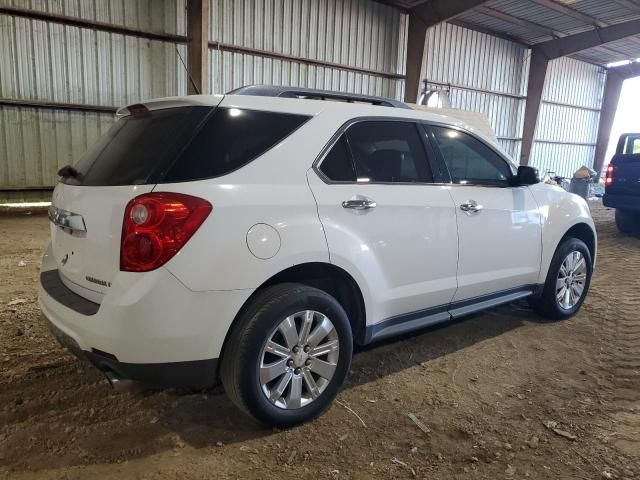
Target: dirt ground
{"points": [[501, 395]]}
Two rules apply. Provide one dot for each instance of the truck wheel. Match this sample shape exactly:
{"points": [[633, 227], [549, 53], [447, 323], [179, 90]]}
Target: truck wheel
{"points": [[288, 355], [567, 281], [628, 222]]}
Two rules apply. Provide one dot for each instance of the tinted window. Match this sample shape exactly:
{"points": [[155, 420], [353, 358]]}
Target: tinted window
{"points": [[181, 144], [632, 144], [230, 139], [386, 151], [337, 165], [469, 160], [136, 147]]}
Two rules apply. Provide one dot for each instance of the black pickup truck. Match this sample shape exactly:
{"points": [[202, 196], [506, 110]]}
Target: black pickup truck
{"points": [[622, 184]]}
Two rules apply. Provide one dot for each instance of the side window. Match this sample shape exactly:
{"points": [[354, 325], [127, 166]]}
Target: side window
{"points": [[230, 139], [469, 160], [337, 165], [388, 151], [632, 145]]}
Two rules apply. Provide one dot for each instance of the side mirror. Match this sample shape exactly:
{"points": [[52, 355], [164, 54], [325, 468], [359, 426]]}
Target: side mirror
{"points": [[527, 175]]}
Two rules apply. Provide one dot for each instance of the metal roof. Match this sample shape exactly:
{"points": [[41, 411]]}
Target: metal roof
{"points": [[535, 21]]}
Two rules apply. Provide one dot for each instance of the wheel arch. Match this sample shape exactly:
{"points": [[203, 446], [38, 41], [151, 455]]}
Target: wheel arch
{"points": [[582, 231], [324, 276]]}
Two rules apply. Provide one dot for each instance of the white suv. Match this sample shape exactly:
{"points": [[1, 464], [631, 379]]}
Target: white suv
{"points": [[254, 237]]}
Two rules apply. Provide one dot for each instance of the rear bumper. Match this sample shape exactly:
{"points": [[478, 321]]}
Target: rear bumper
{"points": [[150, 326], [198, 374], [623, 202]]}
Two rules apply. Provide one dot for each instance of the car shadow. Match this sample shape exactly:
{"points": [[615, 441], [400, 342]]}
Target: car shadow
{"points": [[206, 420], [94, 424]]}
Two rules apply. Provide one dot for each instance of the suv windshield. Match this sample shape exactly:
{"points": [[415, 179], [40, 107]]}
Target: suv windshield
{"points": [[181, 144]]}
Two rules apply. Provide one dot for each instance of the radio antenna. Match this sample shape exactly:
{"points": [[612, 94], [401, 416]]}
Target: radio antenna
{"points": [[193, 84]]}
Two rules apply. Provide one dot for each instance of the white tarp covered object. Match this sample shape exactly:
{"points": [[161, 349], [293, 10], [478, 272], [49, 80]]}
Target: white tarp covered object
{"points": [[476, 120]]}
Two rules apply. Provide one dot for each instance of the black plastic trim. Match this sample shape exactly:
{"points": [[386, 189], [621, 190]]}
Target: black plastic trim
{"points": [[194, 374], [53, 285], [412, 321]]}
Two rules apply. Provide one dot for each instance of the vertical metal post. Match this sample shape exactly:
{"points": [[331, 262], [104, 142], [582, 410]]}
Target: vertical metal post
{"points": [[415, 58], [198, 46], [612, 89], [535, 86]]}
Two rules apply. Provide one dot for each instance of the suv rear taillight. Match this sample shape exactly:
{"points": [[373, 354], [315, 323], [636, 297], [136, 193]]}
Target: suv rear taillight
{"points": [[608, 180], [156, 226]]}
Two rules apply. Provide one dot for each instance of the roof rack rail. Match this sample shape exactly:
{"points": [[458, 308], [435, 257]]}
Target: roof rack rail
{"points": [[311, 93]]}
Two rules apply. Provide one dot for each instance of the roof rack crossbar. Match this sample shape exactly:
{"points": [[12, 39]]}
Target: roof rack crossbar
{"points": [[297, 92]]}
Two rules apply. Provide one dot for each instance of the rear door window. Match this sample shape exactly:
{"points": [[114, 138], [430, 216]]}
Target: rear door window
{"points": [[181, 144], [388, 152]]}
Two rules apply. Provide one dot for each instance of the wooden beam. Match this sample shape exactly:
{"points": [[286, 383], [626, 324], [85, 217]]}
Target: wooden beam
{"points": [[198, 46], [422, 17], [535, 85]]}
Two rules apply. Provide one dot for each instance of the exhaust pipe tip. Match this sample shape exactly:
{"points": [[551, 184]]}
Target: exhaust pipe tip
{"points": [[120, 384]]}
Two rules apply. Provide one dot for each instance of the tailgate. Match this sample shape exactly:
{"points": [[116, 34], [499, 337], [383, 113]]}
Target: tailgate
{"points": [[88, 205], [88, 260]]}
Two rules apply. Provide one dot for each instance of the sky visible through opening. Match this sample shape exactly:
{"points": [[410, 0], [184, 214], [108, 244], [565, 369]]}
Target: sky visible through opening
{"points": [[627, 118]]}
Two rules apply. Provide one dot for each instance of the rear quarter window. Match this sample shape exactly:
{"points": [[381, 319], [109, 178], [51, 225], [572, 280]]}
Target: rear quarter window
{"points": [[229, 139]]}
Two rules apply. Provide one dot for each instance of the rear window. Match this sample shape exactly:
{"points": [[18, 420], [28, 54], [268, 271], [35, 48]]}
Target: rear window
{"points": [[181, 144]]}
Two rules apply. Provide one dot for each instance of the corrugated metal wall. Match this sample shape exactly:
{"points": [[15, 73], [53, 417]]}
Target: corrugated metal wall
{"points": [[486, 74], [51, 62], [489, 75], [56, 63], [578, 86], [357, 33]]}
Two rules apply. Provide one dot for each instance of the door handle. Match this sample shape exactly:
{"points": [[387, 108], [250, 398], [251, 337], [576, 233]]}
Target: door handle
{"points": [[359, 204], [470, 207]]}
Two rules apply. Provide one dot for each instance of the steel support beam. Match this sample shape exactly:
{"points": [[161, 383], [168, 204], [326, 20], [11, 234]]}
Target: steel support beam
{"points": [[571, 44], [421, 18], [198, 46], [612, 88], [535, 85]]}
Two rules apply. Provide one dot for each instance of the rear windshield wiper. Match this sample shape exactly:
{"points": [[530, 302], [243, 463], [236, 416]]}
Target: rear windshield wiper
{"points": [[69, 172]]}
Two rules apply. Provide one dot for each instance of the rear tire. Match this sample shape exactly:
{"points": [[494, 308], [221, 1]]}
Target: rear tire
{"points": [[628, 222], [569, 273], [285, 344]]}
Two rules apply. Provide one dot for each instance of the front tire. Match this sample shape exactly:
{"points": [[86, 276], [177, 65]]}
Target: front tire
{"points": [[567, 282], [288, 355]]}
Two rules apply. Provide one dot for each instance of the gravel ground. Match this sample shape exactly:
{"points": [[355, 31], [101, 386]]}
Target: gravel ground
{"points": [[502, 395]]}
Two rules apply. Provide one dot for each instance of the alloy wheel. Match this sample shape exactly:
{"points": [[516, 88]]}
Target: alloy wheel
{"points": [[299, 359], [571, 280]]}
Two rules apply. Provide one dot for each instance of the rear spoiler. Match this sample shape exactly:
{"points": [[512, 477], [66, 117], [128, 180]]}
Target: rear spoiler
{"points": [[170, 102]]}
